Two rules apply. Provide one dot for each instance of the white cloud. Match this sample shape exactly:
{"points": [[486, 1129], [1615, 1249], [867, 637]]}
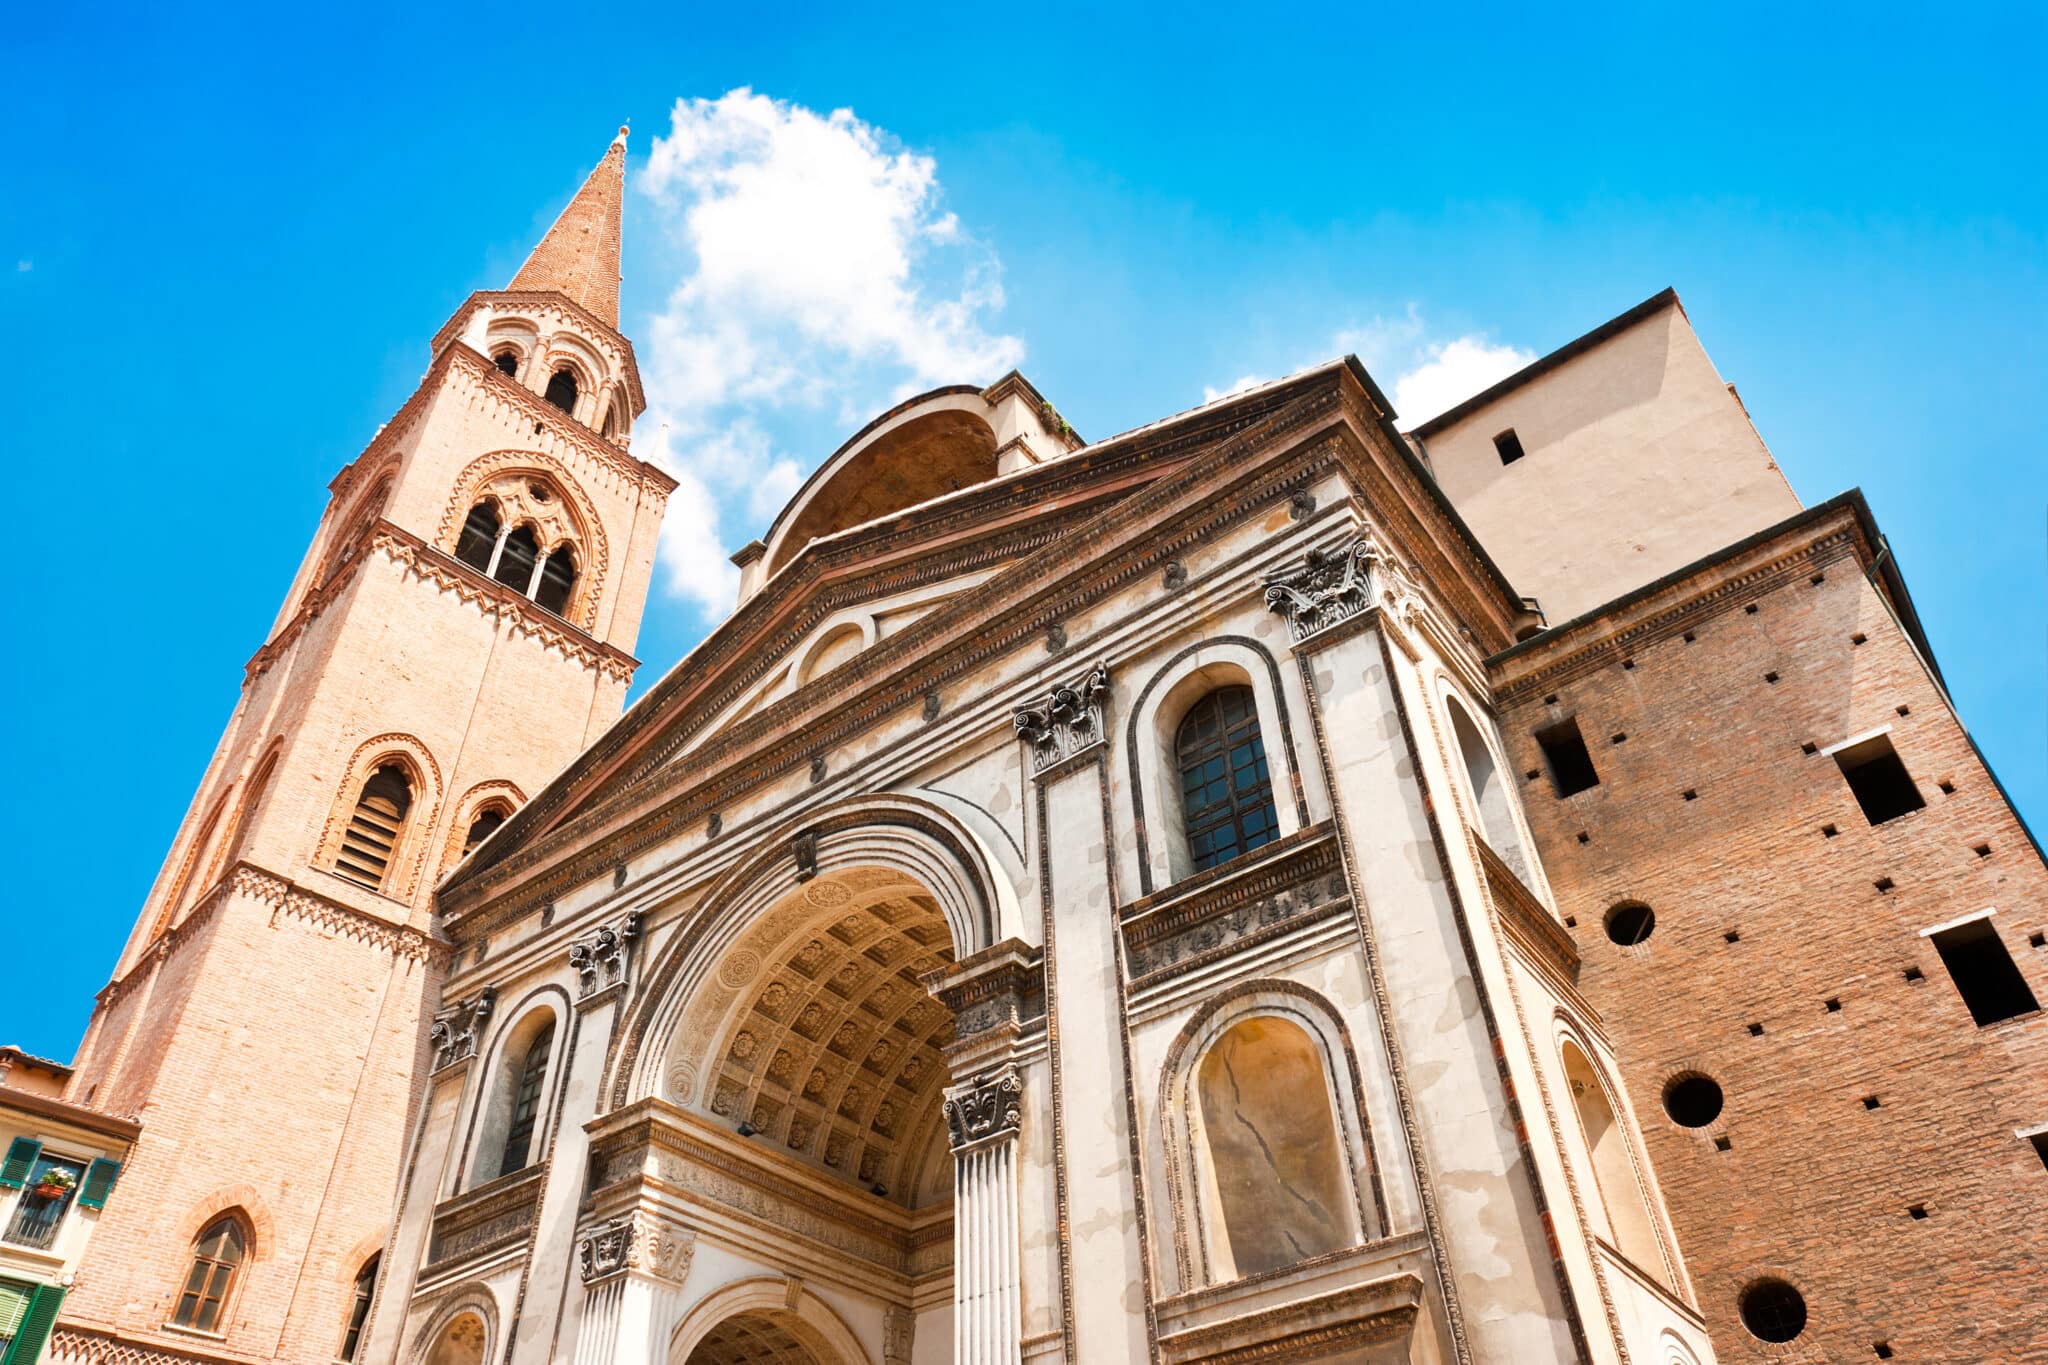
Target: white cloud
{"points": [[1430, 376], [1454, 371], [819, 275]]}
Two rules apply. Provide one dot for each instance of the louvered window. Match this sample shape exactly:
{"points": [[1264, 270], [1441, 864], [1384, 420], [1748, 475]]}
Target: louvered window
{"points": [[373, 829], [479, 537], [557, 580], [1226, 793], [515, 561], [215, 1260], [526, 1102], [359, 1309]]}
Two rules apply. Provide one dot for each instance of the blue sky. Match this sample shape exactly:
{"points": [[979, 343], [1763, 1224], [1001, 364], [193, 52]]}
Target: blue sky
{"points": [[225, 238]]}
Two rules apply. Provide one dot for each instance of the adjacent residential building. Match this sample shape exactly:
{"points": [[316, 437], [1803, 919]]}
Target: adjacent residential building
{"points": [[61, 1166]]}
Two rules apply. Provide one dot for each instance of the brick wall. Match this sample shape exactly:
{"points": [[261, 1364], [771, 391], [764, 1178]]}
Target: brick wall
{"points": [[1812, 1186]]}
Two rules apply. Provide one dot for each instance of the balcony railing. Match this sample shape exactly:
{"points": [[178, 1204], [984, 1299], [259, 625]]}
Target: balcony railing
{"points": [[36, 1220]]}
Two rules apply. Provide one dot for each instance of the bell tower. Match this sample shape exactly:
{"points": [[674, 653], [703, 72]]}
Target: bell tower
{"points": [[461, 627]]}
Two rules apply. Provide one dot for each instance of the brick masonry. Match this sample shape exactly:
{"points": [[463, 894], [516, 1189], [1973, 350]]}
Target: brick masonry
{"points": [[1814, 1187]]}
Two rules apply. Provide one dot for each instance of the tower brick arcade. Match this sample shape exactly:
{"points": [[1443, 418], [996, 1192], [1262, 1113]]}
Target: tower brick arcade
{"points": [[461, 626]]}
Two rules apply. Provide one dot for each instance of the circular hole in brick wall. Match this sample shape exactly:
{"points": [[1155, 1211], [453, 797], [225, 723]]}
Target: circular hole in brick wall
{"points": [[1772, 1310], [1693, 1101], [1630, 923]]}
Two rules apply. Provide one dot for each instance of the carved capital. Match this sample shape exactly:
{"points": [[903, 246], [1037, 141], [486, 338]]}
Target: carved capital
{"points": [[599, 958], [457, 1027], [1069, 721], [1328, 586], [606, 1249], [987, 1108]]}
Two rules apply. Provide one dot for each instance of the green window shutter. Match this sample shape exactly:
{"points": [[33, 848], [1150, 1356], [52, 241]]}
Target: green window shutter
{"points": [[99, 1183], [35, 1326], [21, 1156], [14, 1297]]}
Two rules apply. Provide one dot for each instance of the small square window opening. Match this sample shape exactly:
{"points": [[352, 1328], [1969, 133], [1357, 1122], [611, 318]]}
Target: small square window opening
{"points": [[1509, 445], [1984, 972], [1564, 754], [1882, 786]]}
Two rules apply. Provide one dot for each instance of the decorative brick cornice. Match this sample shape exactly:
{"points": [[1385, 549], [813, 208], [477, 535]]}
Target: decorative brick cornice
{"points": [[75, 1344], [287, 898], [430, 564], [538, 299]]}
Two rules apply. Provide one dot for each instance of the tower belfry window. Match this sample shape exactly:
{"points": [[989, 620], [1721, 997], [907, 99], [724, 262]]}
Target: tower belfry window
{"points": [[562, 390], [374, 827], [507, 363], [479, 537], [515, 561], [481, 828], [557, 580]]}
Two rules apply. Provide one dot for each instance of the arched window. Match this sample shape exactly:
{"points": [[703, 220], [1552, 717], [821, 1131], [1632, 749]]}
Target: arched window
{"points": [[479, 537], [216, 1257], [482, 827], [507, 363], [515, 561], [1628, 1217], [533, 1070], [359, 1308], [374, 827], [562, 390], [1272, 1147], [1226, 792], [557, 580], [611, 419], [1489, 793]]}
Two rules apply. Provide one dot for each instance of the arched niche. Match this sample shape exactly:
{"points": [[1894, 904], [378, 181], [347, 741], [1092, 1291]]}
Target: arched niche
{"points": [[1268, 1158], [1623, 1212], [1485, 787]]}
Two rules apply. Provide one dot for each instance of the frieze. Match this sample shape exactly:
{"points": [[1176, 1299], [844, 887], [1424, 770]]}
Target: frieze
{"points": [[490, 1218], [1296, 881], [987, 1108], [1068, 722], [457, 1027]]}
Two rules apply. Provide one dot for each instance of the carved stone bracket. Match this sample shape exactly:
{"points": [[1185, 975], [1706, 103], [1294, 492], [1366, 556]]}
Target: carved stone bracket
{"points": [[985, 1109], [457, 1027], [804, 848], [599, 959], [1068, 722]]}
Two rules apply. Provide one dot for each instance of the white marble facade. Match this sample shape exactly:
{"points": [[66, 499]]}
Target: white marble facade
{"points": [[881, 1012]]}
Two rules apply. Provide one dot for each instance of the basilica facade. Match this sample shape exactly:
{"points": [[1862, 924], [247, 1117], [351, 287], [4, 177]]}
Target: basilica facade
{"points": [[1262, 886]]}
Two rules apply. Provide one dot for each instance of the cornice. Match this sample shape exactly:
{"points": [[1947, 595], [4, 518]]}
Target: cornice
{"points": [[288, 898], [1713, 587], [430, 564]]}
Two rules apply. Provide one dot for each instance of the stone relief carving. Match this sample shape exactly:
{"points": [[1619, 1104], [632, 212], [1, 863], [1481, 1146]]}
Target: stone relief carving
{"points": [[987, 1107], [805, 849], [457, 1027], [604, 1250], [1069, 721], [898, 1332], [599, 959]]}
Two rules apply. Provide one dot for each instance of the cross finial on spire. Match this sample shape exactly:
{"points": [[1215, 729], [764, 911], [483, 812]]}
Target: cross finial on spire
{"points": [[579, 257]]}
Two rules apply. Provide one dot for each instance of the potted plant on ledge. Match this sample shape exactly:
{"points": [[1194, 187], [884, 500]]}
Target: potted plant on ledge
{"points": [[54, 1183]]}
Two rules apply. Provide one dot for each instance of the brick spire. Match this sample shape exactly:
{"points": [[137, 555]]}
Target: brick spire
{"points": [[580, 255]]}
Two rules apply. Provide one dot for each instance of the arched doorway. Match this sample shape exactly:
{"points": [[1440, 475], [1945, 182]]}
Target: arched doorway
{"points": [[761, 1338]]}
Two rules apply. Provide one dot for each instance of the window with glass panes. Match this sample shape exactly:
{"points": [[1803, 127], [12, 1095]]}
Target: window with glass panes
{"points": [[526, 1103], [359, 1309], [215, 1259], [1226, 793]]}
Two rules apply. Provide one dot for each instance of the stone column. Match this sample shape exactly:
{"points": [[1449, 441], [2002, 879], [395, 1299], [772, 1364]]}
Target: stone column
{"points": [[987, 1320]]}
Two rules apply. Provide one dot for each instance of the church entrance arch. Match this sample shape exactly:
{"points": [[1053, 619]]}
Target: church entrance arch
{"points": [[758, 1339]]}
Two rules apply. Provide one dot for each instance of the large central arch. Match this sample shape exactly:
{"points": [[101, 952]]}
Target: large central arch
{"points": [[760, 1322]]}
